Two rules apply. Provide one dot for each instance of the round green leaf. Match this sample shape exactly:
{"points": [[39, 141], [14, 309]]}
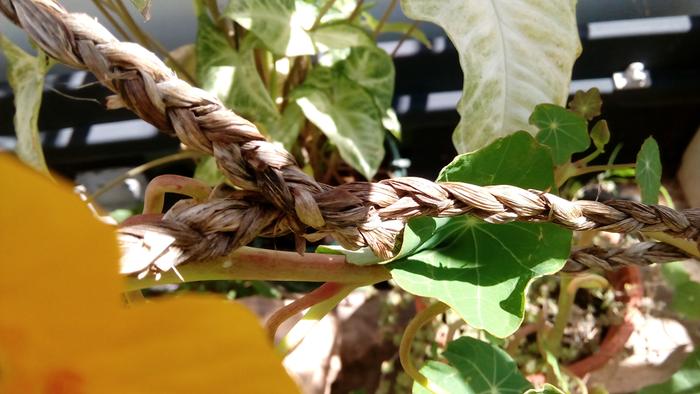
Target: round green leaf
{"points": [[482, 270], [562, 130], [475, 367]]}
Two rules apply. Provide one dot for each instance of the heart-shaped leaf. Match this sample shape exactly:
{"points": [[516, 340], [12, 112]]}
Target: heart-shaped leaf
{"points": [[280, 24], [514, 55], [482, 270], [347, 114]]}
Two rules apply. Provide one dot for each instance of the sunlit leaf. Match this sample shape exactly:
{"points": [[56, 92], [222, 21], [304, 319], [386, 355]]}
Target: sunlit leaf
{"points": [[587, 104], [232, 75], [685, 381], [482, 270], [26, 76], [648, 171], [514, 55], [563, 131], [280, 24], [339, 36], [347, 115], [475, 367]]}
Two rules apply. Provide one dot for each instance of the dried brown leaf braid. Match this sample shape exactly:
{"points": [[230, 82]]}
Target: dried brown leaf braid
{"points": [[276, 196]]}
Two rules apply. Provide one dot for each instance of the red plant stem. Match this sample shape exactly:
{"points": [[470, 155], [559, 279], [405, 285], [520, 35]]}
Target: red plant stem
{"points": [[322, 293], [248, 263], [155, 191]]}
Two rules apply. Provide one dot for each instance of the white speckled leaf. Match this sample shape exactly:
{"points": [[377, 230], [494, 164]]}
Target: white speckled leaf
{"points": [[281, 24], [515, 54], [26, 76]]}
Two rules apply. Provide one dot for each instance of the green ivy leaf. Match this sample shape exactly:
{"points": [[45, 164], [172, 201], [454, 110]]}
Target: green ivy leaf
{"points": [[563, 131], [347, 115], [373, 69], [475, 367], [648, 171], [482, 270], [587, 104], [280, 24], [600, 134], [26, 76], [685, 381], [547, 389], [514, 55], [232, 76]]}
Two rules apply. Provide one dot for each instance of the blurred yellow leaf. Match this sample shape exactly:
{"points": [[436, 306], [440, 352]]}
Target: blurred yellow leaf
{"points": [[64, 329]]}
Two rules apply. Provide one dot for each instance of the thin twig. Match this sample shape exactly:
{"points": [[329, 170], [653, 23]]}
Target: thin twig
{"points": [[149, 42], [404, 37], [324, 9], [356, 11], [385, 17], [143, 167]]}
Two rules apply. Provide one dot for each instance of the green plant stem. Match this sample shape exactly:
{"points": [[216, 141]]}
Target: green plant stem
{"points": [[142, 168], [418, 321], [324, 9], [604, 167], [568, 286], [667, 196], [248, 263], [587, 159], [312, 317], [384, 18], [568, 171], [564, 304]]}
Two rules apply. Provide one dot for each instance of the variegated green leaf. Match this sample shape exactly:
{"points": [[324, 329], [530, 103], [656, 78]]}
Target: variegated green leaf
{"points": [[232, 76], [514, 55], [26, 76], [339, 36], [347, 115], [373, 69], [281, 25]]}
